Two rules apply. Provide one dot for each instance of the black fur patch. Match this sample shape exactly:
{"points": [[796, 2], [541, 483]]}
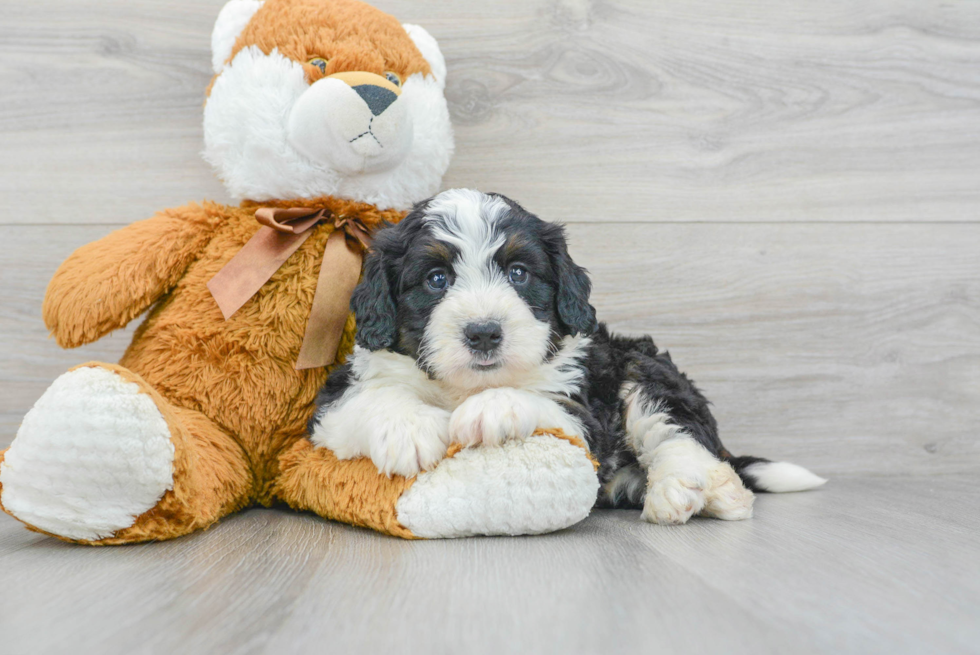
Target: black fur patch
{"points": [[338, 382], [545, 248]]}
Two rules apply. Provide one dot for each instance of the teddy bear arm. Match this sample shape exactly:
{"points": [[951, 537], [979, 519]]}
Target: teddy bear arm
{"points": [[107, 283]]}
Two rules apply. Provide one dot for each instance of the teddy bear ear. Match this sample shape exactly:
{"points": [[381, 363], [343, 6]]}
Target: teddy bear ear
{"points": [[232, 19], [430, 50]]}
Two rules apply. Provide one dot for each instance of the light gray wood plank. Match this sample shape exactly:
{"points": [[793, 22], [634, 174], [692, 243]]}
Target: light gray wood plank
{"points": [[595, 111], [872, 565], [29, 358], [101, 120], [846, 348]]}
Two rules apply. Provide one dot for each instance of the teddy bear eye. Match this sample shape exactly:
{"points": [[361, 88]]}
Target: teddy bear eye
{"points": [[393, 78], [320, 63]]}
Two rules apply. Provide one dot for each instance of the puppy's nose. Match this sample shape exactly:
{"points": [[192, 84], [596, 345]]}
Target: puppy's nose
{"points": [[377, 98], [483, 337]]}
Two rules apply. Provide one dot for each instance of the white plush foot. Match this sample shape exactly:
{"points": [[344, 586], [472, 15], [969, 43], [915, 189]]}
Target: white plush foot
{"points": [[532, 486], [92, 455], [684, 479]]}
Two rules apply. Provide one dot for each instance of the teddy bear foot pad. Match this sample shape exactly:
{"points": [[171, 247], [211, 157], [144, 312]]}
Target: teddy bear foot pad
{"points": [[534, 486], [92, 455]]}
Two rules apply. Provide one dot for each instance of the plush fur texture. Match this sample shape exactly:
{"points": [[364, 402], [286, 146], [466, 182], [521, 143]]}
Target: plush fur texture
{"points": [[511, 495], [350, 35], [207, 477], [230, 383], [232, 20], [284, 119], [490, 491], [350, 491], [185, 341], [229, 389], [42, 481], [476, 329]]}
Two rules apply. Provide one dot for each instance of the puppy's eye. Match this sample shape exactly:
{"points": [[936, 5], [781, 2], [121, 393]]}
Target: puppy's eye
{"points": [[517, 274], [393, 78], [320, 63], [437, 280]]}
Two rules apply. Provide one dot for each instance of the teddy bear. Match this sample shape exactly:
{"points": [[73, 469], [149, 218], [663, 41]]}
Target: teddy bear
{"points": [[324, 120]]}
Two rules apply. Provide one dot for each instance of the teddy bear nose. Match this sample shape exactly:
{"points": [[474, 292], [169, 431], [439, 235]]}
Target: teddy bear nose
{"points": [[376, 98]]}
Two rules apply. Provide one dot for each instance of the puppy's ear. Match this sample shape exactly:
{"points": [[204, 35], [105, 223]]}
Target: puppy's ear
{"points": [[373, 303], [574, 286], [373, 300]]}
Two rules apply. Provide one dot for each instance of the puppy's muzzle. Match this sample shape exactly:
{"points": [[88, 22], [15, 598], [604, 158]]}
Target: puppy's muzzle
{"points": [[483, 337]]}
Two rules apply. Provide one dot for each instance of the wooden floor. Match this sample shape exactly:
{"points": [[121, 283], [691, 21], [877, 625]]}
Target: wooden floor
{"points": [[786, 194], [862, 566]]}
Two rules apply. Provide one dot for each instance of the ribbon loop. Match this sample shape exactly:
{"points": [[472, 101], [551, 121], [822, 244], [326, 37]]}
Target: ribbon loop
{"points": [[293, 220], [355, 229]]}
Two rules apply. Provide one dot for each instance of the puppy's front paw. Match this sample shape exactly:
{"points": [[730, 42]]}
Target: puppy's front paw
{"points": [[493, 416], [415, 442]]}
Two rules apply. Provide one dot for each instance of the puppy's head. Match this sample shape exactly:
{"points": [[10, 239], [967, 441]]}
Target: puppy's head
{"points": [[474, 287]]}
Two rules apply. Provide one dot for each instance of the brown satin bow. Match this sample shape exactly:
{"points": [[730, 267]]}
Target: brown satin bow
{"points": [[283, 231]]}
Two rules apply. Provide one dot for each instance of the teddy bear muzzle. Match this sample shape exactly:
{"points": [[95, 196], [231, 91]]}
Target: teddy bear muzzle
{"points": [[355, 122]]}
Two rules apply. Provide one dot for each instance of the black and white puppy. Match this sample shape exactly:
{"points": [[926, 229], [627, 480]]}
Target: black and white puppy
{"points": [[474, 325]]}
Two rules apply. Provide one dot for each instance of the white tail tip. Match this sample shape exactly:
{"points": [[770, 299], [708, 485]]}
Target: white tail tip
{"points": [[780, 477]]}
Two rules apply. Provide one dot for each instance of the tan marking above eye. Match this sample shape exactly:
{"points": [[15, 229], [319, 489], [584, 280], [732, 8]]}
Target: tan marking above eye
{"points": [[320, 63]]}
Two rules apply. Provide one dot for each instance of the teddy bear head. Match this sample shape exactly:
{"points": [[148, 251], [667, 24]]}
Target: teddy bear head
{"points": [[325, 97]]}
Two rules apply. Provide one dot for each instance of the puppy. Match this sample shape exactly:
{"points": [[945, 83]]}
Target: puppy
{"points": [[474, 325]]}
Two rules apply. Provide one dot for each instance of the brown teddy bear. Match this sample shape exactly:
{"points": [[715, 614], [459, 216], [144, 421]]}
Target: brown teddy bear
{"points": [[325, 118]]}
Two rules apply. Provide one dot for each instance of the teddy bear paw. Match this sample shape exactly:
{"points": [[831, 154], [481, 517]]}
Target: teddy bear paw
{"points": [[92, 455], [532, 486]]}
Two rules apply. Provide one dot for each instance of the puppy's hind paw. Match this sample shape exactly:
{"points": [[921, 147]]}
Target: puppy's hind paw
{"points": [[673, 501], [714, 490], [727, 498]]}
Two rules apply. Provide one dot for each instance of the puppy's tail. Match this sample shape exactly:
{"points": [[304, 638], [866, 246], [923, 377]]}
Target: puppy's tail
{"points": [[777, 477]]}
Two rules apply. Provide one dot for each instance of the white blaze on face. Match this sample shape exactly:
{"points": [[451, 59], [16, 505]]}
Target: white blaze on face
{"points": [[480, 292]]}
